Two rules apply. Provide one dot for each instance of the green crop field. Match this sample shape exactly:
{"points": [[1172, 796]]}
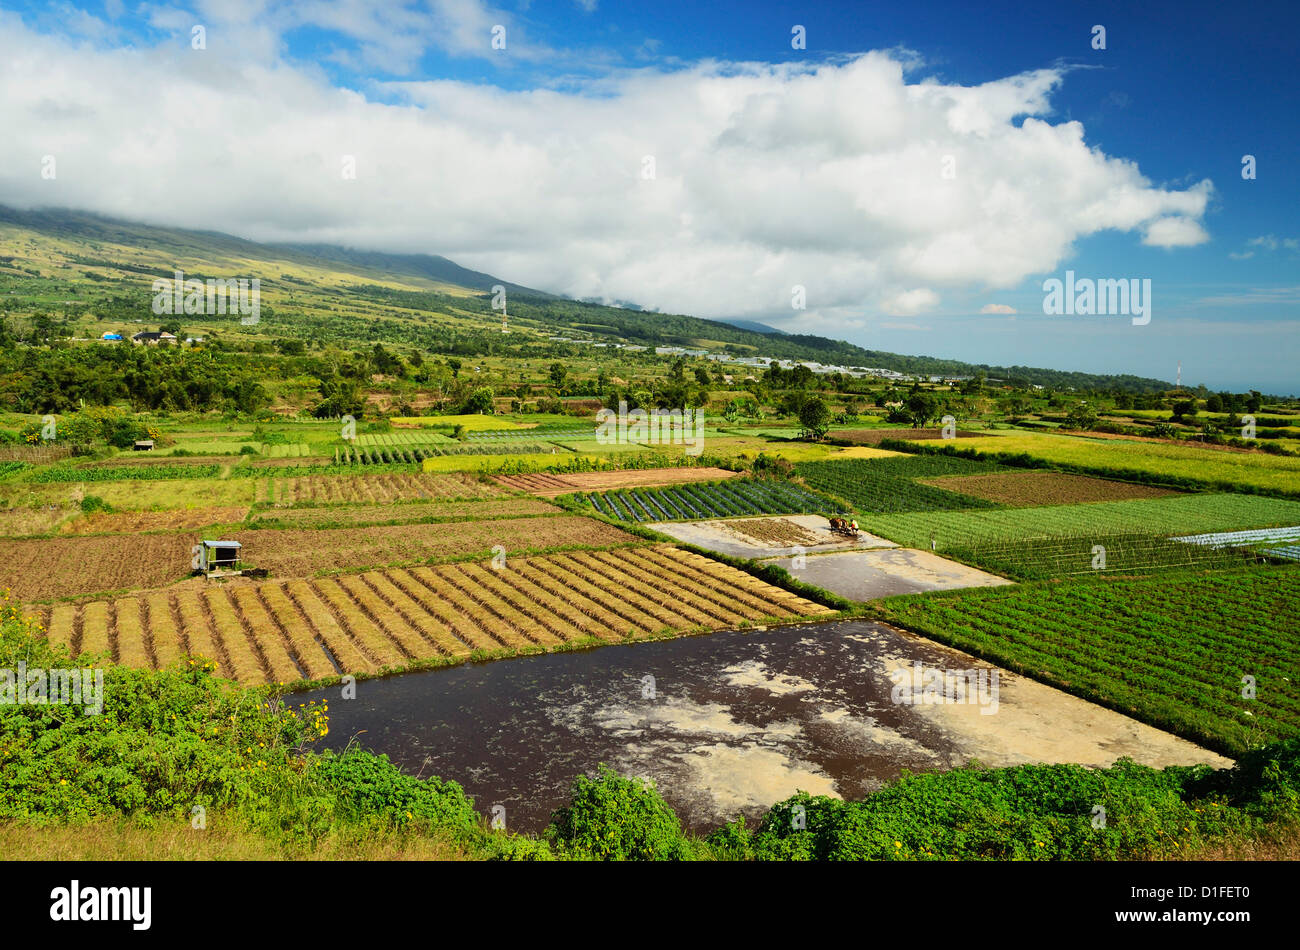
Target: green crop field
{"points": [[404, 439], [1221, 467], [729, 499], [1172, 650], [889, 484], [1177, 514], [1041, 558]]}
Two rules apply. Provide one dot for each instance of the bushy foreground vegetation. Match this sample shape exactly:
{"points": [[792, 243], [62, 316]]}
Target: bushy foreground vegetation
{"points": [[180, 746]]}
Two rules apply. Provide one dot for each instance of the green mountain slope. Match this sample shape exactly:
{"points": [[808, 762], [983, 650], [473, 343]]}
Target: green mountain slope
{"points": [[77, 264]]}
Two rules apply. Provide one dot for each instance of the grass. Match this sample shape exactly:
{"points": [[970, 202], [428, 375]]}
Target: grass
{"points": [[1177, 514], [1170, 650], [139, 495], [122, 839], [1256, 470]]}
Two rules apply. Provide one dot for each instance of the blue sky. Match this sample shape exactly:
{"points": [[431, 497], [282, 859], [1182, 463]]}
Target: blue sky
{"points": [[775, 165]]}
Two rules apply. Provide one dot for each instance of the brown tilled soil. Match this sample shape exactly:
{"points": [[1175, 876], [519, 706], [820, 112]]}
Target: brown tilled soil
{"points": [[137, 522], [68, 567], [280, 631], [1029, 489], [384, 487], [407, 512], [546, 484], [777, 532], [875, 436]]}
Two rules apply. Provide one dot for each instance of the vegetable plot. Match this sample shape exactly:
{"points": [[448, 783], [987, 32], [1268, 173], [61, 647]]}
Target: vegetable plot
{"points": [[706, 500]]}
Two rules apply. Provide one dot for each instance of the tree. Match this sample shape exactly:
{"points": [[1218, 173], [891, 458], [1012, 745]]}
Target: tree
{"points": [[1214, 403], [702, 376], [1082, 416], [454, 365], [921, 408], [815, 418], [480, 401], [558, 374], [1185, 408]]}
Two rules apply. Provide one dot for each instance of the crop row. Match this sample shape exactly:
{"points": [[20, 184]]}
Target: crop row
{"points": [[1176, 514], [691, 501], [405, 439], [1177, 650], [1094, 555], [119, 473], [351, 455], [889, 484], [380, 620], [510, 435]]}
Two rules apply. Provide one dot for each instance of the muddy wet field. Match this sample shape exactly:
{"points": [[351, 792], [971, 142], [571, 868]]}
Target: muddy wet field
{"points": [[728, 723]]}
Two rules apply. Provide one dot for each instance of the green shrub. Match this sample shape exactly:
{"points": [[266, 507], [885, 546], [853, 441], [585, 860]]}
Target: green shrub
{"points": [[619, 818]]}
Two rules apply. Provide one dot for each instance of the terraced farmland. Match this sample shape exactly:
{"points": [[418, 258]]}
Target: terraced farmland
{"points": [[688, 502], [282, 631], [1177, 514], [377, 489], [891, 484], [1171, 650]]}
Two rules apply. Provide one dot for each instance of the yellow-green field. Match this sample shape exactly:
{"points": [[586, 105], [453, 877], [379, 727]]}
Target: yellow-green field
{"points": [[1253, 469]]}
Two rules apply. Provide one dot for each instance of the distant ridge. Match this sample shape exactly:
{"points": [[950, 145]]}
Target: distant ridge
{"points": [[157, 249]]}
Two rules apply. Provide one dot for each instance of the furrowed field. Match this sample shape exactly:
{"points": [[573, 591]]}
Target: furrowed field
{"points": [[68, 567], [1171, 650], [377, 621]]}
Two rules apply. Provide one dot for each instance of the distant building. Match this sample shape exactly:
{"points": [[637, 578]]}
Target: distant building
{"points": [[153, 337], [111, 336]]}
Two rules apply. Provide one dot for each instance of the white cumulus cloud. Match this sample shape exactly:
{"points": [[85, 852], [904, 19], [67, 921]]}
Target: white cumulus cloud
{"points": [[876, 190]]}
